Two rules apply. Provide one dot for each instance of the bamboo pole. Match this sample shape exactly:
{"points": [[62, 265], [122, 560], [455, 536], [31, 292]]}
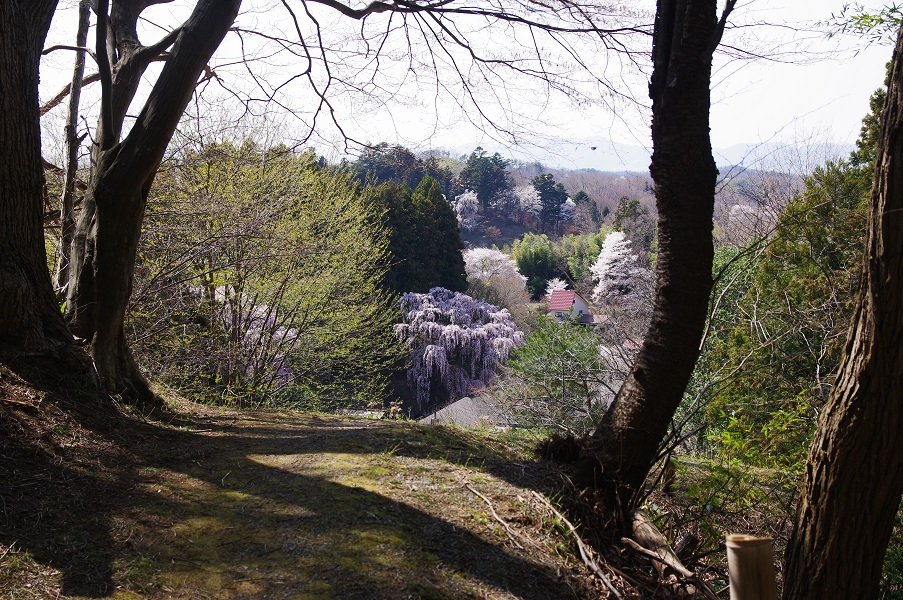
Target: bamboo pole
{"points": [[751, 566]]}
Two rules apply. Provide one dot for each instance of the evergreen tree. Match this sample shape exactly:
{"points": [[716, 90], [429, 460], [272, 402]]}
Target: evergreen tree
{"points": [[388, 163], [424, 242], [441, 173], [486, 175], [400, 219], [440, 237], [384, 163], [552, 197]]}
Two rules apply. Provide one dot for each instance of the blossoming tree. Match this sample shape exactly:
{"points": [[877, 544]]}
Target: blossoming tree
{"points": [[555, 284], [528, 201], [456, 343], [488, 264], [567, 213], [467, 206], [616, 271], [493, 276]]}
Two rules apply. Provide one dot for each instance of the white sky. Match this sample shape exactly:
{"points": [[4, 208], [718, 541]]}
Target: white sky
{"points": [[820, 95], [828, 95], [816, 88]]}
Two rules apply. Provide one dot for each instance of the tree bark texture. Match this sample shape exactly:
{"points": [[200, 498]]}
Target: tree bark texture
{"points": [[67, 202], [626, 442], [854, 474], [118, 192], [30, 319]]}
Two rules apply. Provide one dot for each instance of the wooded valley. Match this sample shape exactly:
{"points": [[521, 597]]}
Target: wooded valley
{"points": [[234, 366]]}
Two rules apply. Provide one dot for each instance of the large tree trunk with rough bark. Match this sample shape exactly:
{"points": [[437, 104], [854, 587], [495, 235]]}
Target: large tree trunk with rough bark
{"points": [[31, 326], [854, 474], [626, 442], [110, 227]]}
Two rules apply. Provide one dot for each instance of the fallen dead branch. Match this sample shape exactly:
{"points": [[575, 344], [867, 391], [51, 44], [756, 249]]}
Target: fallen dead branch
{"points": [[513, 535], [678, 568], [652, 543], [585, 551], [8, 550]]}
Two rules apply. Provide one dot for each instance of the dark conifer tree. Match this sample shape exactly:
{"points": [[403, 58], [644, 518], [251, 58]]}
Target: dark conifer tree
{"points": [[440, 238], [424, 241]]}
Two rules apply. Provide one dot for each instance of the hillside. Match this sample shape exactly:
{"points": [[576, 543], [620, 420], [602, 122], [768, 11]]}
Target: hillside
{"points": [[220, 504]]}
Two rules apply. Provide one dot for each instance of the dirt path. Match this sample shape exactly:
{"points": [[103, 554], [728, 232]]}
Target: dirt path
{"points": [[289, 505]]}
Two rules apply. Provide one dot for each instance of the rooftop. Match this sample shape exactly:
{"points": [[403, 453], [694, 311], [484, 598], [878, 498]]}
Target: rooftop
{"points": [[562, 299]]}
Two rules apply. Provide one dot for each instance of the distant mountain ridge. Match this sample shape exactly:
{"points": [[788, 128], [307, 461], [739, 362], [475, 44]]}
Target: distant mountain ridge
{"points": [[603, 154]]}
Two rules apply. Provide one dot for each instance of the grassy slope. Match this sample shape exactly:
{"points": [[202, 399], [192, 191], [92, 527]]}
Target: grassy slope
{"points": [[230, 505]]}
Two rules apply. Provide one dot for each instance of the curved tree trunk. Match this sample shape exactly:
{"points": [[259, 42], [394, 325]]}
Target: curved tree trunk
{"points": [[31, 325], [626, 442], [854, 474], [107, 239], [125, 60]]}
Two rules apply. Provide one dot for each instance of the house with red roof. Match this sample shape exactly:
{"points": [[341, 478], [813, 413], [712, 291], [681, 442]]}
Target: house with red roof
{"points": [[568, 304]]}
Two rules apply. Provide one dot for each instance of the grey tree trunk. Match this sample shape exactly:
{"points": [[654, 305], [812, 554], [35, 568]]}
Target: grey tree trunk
{"points": [[854, 475], [626, 442], [73, 142]]}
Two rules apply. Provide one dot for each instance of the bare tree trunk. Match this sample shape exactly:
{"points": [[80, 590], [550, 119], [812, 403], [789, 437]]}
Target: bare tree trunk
{"points": [[67, 203], [854, 474], [30, 320], [121, 181], [626, 442]]}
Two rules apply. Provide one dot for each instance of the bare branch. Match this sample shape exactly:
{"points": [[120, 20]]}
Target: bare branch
{"points": [[106, 75], [47, 51], [722, 22], [148, 53], [61, 95]]}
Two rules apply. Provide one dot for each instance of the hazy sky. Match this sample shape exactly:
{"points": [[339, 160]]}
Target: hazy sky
{"points": [[828, 94], [806, 87], [819, 90]]}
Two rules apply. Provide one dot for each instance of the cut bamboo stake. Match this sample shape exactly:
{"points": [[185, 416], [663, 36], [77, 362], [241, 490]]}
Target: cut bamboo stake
{"points": [[750, 563]]}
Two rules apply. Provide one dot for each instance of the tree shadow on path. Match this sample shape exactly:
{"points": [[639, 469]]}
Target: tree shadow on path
{"points": [[291, 509], [262, 505]]}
